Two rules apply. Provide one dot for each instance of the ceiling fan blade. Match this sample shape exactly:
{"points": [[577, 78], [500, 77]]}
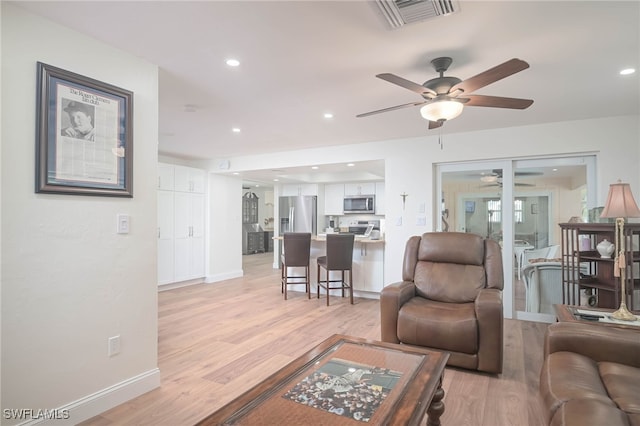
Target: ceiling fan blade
{"points": [[497, 102], [391, 108], [524, 184], [414, 87], [435, 124], [491, 75]]}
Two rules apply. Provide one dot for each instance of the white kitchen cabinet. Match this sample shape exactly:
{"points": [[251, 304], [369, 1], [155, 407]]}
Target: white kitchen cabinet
{"points": [[299, 189], [188, 236], [368, 267], [165, 177], [333, 199], [380, 208], [188, 179], [361, 188], [165, 237], [181, 223], [268, 198]]}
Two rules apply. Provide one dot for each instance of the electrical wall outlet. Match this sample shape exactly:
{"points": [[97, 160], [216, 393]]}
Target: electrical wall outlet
{"points": [[114, 345]]}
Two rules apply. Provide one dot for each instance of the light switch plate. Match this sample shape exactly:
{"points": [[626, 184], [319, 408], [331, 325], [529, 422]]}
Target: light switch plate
{"points": [[123, 223]]}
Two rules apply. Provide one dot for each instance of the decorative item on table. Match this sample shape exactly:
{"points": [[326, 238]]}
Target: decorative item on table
{"points": [[585, 243], [605, 248], [620, 204]]}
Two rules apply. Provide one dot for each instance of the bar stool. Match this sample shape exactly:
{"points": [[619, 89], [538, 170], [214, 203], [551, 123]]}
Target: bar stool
{"points": [[295, 254], [339, 258]]}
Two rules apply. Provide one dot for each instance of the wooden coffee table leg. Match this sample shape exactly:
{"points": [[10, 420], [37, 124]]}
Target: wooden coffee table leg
{"points": [[436, 408]]}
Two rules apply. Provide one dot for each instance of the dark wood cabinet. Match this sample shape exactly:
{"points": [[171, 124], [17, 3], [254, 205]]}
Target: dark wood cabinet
{"points": [[584, 269]]}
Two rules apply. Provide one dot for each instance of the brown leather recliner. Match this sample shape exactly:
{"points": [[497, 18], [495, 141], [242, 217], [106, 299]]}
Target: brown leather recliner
{"points": [[450, 299]]}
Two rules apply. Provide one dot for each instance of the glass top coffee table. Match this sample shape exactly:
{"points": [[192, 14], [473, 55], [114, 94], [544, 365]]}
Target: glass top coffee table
{"points": [[345, 381]]}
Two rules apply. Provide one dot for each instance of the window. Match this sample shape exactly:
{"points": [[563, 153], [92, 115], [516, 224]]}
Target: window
{"points": [[494, 209], [517, 211]]}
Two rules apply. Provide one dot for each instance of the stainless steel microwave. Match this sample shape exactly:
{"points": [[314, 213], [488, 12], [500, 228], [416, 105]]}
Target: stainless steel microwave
{"points": [[359, 204]]}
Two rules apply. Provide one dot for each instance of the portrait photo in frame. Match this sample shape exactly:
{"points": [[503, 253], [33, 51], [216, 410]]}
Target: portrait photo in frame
{"points": [[84, 138]]}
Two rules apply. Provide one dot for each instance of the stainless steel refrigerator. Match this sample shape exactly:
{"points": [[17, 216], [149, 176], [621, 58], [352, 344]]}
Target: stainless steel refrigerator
{"points": [[298, 214]]}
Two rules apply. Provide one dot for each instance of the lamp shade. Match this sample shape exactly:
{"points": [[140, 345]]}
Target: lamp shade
{"points": [[620, 202], [441, 110]]}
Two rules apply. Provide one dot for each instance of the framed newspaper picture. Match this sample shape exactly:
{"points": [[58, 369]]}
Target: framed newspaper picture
{"points": [[84, 137]]}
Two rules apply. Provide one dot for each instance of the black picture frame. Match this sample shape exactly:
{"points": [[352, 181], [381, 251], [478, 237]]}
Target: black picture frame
{"points": [[84, 143]]}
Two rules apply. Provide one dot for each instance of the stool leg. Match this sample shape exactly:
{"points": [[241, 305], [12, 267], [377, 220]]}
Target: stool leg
{"points": [[285, 282], [351, 286], [328, 284], [318, 281], [307, 276]]}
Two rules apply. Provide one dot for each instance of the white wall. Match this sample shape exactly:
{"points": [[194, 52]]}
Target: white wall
{"points": [[224, 259], [409, 165], [69, 282]]}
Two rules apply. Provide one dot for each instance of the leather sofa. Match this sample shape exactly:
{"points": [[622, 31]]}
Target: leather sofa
{"points": [[450, 299], [590, 375]]}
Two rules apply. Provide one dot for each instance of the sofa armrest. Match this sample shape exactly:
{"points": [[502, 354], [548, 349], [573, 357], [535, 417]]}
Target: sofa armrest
{"points": [[488, 307], [598, 342], [392, 297]]}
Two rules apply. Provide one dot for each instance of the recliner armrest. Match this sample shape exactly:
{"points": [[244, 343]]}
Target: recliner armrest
{"points": [[392, 297], [488, 307], [598, 342]]}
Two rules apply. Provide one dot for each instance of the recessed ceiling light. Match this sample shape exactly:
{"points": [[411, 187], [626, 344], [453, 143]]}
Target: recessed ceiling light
{"points": [[555, 170], [233, 62], [236, 173], [315, 167], [627, 71], [350, 165], [236, 130], [328, 115], [276, 180]]}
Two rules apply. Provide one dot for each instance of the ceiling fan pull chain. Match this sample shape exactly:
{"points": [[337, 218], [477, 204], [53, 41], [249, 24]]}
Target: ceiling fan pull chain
{"points": [[440, 138]]}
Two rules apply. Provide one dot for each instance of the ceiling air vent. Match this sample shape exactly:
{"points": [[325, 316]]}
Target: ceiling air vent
{"points": [[401, 12]]}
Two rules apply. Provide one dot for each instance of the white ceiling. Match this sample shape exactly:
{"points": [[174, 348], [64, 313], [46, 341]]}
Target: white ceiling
{"points": [[300, 59]]}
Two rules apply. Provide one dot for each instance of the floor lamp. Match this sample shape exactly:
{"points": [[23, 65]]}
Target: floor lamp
{"points": [[620, 205]]}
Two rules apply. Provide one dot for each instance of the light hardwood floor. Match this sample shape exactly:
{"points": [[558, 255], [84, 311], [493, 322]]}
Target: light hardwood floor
{"points": [[218, 340]]}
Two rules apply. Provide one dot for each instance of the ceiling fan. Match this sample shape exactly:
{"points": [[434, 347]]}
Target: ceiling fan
{"points": [[495, 178], [445, 97]]}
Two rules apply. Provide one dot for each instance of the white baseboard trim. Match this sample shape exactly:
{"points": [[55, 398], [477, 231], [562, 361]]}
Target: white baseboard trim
{"points": [[171, 286], [101, 401], [224, 276]]}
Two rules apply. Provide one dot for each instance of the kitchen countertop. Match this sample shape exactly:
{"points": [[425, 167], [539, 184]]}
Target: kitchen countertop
{"points": [[323, 237]]}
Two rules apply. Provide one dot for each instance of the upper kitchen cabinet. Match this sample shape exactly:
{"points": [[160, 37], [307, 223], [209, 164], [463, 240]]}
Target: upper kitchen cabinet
{"points": [[165, 177], [188, 179], [333, 199], [380, 209], [362, 188], [289, 190], [268, 198]]}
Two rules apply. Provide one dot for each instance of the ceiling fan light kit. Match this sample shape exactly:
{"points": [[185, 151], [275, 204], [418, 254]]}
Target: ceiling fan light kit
{"points": [[444, 98], [441, 110]]}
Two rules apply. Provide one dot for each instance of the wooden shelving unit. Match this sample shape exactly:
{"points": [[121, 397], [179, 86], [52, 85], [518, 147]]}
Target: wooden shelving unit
{"points": [[583, 268]]}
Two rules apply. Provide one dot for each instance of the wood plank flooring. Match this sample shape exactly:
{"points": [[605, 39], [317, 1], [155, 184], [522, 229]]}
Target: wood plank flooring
{"points": [[218, 340]]}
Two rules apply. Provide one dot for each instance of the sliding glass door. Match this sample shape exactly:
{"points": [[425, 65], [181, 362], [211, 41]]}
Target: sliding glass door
{"points": [[519, 203]]}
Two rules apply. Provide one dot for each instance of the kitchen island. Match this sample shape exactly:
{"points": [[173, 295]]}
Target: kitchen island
{"points": [[368, 265]]}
